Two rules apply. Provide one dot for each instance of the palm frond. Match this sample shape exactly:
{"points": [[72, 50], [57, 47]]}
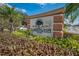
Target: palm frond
{"points": [[71, 10]]}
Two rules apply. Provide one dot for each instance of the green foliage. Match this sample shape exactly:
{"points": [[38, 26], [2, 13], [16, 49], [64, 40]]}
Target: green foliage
{"points": [[9, 13], [19, 33], [43, 39], [65, 43], [71, 10], [76, 36], [38, 45], [70, 43], [22, 33]]}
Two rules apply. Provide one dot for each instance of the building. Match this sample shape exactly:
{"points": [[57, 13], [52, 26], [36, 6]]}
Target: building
{"points": [[47, 24]]}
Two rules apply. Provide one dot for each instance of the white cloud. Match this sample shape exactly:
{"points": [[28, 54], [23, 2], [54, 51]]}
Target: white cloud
{"points": [[42, 5], [21, 10], [18, 9]]}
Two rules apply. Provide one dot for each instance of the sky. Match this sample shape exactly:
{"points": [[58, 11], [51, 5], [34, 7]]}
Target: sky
{"points": [[36, 8]]}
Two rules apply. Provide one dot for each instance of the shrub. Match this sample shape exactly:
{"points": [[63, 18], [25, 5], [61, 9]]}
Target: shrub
{"points": [[43, 39], [19, 34], [75, 37], [22, 33], [69, 43]]}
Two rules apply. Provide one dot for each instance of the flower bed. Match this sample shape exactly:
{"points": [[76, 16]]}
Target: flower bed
{"points": [[36, 45]]}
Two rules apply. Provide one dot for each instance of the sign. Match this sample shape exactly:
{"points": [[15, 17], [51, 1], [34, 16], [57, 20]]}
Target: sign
{"points": [[42, 26]]}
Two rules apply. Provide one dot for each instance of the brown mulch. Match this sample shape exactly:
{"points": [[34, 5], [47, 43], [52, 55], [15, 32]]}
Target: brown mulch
{"points": [[14, 46]]}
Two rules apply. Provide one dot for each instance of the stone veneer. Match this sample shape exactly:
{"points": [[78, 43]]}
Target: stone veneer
{"points": [[58, 26]]}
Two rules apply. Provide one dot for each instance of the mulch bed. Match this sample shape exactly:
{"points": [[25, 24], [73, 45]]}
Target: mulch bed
{"points": [[13, 46]]}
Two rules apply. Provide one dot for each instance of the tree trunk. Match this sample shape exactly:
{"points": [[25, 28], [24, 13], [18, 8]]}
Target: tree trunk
{"points": [[1, 27], [11, 27]]}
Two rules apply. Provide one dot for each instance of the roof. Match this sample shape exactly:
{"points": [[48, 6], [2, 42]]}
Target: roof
{"points": [[49, 13]]}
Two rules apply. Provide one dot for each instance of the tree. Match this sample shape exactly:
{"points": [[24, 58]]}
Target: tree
{"points": [[72, 11], [11, 16], [39, 22]]}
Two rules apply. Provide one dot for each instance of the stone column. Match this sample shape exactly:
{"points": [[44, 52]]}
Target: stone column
{"points": [[58, 26]]}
